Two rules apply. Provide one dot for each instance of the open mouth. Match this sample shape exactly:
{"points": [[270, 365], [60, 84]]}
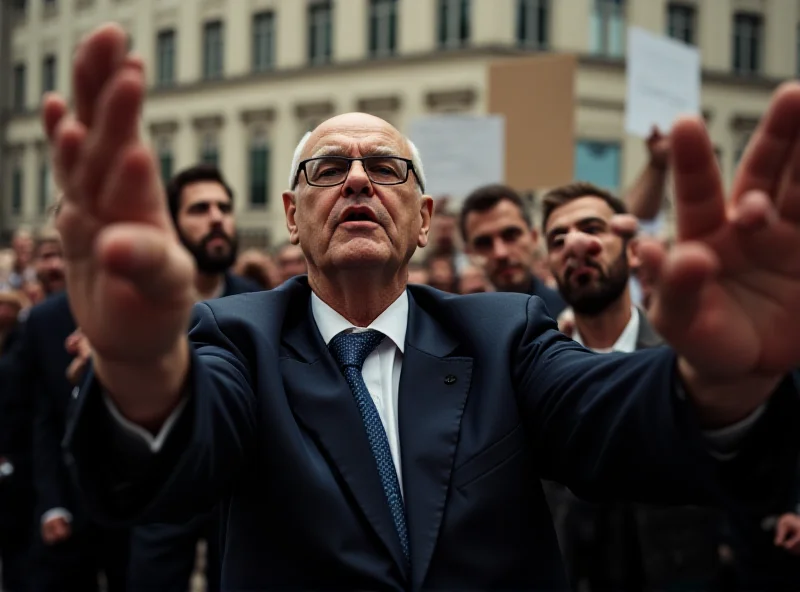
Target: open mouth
{"points": [[358, 217], [354, 217]]}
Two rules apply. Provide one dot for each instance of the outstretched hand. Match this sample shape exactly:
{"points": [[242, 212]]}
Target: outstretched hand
{"points": [[727, 293], [129, 280]]}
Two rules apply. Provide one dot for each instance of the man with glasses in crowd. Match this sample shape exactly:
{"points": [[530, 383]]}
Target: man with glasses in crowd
{"points": [[368, 434]]}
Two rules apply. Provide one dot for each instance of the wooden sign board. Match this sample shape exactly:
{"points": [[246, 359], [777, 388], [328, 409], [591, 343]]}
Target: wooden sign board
{"points": [[536, 96]]}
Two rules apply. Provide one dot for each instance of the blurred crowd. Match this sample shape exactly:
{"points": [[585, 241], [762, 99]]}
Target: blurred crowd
{"points": [[561, 246]]}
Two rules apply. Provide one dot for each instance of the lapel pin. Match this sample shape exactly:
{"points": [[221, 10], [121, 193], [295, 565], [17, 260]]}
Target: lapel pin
{"points": [[449, 379]]}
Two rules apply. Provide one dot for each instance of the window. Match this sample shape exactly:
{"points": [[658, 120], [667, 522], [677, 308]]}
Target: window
{"points": [[17, 188], [19, 7], [50, 8], [258, 174], [320, 32], [382, 27], [608, 27], [263, 41], [454, 23], [598, 163], [209, 149], [165, 159], [681, 22], [165, 56], [212, 50], [44, 187], [20, 81], [49, 73], [747, 33], [532, 23]]}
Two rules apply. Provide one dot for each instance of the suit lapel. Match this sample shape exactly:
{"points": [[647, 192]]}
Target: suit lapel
{"points": [[322, 401], [433, 393]]}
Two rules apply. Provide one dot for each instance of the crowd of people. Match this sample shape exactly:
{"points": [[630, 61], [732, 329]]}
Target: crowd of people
{"points": [[576, 248]]}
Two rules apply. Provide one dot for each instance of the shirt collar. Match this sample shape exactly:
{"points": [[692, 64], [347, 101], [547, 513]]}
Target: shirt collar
{"points": [[626, 342], [392, 322]]}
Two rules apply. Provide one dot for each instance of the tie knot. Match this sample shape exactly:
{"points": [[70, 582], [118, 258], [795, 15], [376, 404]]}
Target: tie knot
{"points": [[351, 349]]}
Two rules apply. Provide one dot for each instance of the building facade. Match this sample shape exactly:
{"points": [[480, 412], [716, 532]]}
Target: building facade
{"points": [[237, 82]]}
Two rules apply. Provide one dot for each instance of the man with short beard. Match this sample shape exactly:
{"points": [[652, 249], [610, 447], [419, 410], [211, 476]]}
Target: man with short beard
{"points": [[201, 205], [617, 546]]}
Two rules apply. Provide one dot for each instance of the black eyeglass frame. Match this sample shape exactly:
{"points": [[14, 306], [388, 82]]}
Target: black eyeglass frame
{"points": [[301, 167]]}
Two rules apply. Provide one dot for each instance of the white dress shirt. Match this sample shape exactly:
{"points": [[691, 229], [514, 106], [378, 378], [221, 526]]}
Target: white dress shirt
{"points": [[382, 367], [625, 343]]}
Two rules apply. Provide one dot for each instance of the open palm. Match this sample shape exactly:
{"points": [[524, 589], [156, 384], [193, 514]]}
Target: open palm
{"points": [[729, 291], [130, 281]]}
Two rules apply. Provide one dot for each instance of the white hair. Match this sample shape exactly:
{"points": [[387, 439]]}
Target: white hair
{"points": [[416, 160]]}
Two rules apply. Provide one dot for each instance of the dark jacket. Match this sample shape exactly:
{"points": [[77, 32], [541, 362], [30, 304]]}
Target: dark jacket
{"points": [[492, 398]]}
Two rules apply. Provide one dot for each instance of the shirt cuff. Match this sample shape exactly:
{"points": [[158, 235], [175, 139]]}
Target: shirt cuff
{"points": [[725, 442], [153, 442], [57, 513]]}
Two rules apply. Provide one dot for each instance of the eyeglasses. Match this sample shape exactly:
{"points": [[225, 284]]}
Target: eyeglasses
{"points": [[329, 171]]}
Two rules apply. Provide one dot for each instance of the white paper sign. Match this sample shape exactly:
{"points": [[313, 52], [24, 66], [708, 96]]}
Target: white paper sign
{"points": [[663, 81], [460, 152]]}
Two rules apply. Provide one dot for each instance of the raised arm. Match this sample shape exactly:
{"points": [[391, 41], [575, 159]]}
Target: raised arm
{"points": [[130, 282]]}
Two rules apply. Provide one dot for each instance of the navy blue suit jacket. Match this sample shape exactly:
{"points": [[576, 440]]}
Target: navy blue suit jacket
{"points": [[492, 398]]}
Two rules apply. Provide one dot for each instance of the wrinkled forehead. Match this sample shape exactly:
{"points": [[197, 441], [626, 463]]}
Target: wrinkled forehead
{"points": [[366, 139]]}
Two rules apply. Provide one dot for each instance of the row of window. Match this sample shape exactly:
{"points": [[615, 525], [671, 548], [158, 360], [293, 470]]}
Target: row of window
{"points": [[608, 31], [258, 173], [596, 162]]}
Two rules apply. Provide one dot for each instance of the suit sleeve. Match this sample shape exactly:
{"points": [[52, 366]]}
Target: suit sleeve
{"points": [[123, 482], [616, 426]]}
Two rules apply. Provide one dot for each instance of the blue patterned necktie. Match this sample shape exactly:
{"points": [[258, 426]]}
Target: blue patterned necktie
{"points": [[350, 350]]}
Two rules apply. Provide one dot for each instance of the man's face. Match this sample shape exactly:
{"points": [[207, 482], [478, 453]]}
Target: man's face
{"points": [[443, 233], [472, 280], [23, 249], [291, 262], [506, 244], [49, 266], [589, 261], [9, 311], [441, 274], [206, 226], [359, 224]]}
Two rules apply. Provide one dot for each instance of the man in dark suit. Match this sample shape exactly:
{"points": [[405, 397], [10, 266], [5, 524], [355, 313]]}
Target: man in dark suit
{"points": [[68, 548], [201, 206], [496, 226], [364, 434], [616, 545]]}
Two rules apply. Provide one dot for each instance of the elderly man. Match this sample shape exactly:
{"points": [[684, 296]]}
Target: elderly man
{"points": [[364, 434]]}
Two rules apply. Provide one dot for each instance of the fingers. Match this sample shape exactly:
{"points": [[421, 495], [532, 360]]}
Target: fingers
{"points": [[699, 195], [768, 151], [793, 539], [788, 196], [154, 263], [133, 191], [116, 125], [54, 109], [681, 277], [755, 211], [781, 532], [625, 225], [96, 60]]}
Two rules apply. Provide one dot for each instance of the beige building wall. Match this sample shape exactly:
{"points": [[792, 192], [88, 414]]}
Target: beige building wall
{"points": [[281, 104]]}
